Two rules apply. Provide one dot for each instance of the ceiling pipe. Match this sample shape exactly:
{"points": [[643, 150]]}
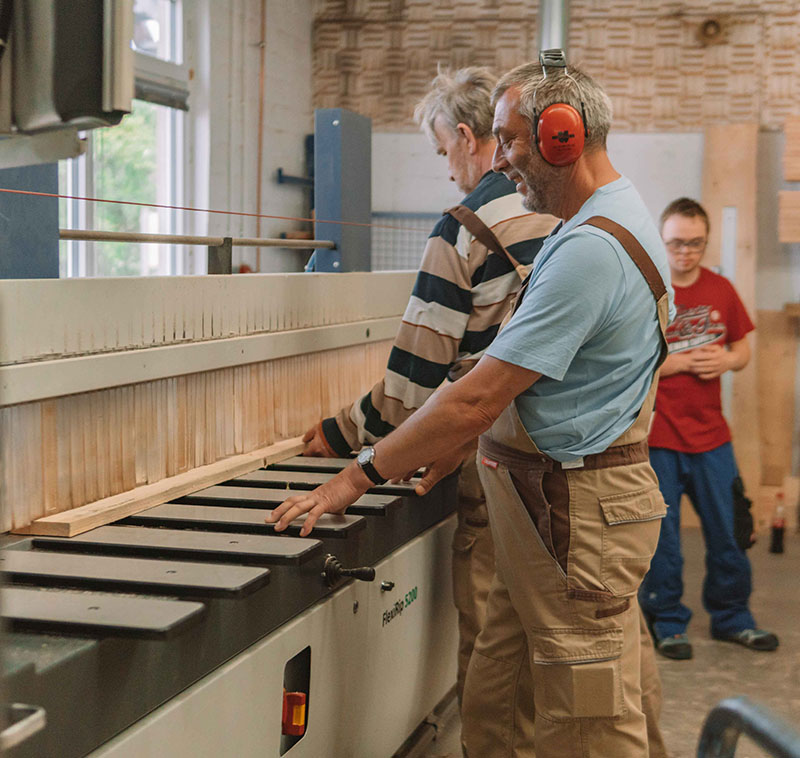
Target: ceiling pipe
{"points": [[553, 24]]}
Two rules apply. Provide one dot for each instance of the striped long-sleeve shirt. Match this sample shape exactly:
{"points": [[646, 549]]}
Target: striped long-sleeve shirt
{"points": [[461, 295]]}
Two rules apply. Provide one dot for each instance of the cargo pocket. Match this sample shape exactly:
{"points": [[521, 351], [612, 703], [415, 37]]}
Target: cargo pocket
{"points": [[630, 536], [577, 674]]}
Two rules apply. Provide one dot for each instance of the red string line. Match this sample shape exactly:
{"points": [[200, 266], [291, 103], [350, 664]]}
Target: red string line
{"points": [[210, 210]]}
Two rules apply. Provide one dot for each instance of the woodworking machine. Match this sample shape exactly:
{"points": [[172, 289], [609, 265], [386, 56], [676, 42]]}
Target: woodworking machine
{"points": [[192, 629]]}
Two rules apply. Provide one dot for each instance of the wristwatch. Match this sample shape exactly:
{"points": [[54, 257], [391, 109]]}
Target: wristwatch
{"points": [[364, 459]]}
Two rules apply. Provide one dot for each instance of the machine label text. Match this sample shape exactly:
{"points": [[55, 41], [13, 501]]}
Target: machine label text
{"points": [[399, 606]]}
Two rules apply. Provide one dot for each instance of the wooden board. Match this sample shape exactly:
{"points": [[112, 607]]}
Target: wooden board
{"points": [[102, 512], [776, 362], [729, 180], [791, 150], [788, 216]]}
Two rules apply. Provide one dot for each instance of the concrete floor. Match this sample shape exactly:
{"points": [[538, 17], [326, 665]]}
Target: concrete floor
{"points": [[718, 669]]}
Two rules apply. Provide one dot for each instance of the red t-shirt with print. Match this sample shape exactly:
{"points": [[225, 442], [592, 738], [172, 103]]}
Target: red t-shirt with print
{"points": [[688, 414]]}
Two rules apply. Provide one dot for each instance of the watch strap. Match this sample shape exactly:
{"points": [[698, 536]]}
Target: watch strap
{"points": [[372, 472]]}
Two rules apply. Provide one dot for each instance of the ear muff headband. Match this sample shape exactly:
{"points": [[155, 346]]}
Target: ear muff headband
{"points": [[560, 130]]}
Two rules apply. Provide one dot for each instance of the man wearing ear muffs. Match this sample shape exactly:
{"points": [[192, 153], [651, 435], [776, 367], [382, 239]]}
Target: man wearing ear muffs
{"points": [[561, 401]]}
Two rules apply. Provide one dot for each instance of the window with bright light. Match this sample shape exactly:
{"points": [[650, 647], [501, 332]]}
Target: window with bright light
{"points": [[153, 24], [139, 161]]}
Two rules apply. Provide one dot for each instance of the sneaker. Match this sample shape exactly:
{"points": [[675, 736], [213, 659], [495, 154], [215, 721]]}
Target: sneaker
{"points": [[676, 647], [755, 639]]}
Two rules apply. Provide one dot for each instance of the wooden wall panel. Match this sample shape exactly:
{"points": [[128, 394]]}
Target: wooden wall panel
{"points": [[377, 56]]}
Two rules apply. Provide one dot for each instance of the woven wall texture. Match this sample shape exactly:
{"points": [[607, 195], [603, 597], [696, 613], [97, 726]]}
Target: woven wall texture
{"points": [[376, 57]]}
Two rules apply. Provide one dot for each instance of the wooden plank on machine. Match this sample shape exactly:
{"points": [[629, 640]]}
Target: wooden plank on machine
{"points": [[788, 216], [791, 152], [102, 512]]}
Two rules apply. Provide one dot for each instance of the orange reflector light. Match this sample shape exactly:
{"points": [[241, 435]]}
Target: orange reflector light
{"points": [[294, 713]]}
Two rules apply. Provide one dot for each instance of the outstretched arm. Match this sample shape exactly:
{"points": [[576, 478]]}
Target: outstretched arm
{"points": [[435, 435]]}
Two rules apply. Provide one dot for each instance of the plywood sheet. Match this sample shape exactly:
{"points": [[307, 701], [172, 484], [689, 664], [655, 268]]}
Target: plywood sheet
{"points": [[776, 362], [788, 216], [791, 150]]}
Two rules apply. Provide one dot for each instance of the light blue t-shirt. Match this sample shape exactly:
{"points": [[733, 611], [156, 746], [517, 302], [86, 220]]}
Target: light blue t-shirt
{"points": [[588, 323]]}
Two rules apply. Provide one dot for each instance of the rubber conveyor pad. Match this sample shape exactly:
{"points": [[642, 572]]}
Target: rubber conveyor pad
{"points": [[303, 463], [91, 613], [267, 497], [241, 520], [323, 465], [110, 574], [207, 546], [308, 480]]}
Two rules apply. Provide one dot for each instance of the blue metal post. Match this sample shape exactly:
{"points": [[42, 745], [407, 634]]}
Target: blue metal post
{"points": [[342, 188], [29, 224]]}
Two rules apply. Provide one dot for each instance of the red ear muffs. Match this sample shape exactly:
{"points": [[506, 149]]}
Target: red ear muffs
{"points": [[561, 134]]}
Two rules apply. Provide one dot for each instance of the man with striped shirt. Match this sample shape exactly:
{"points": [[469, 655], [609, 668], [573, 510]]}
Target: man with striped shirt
{"points": [[461, 295]]}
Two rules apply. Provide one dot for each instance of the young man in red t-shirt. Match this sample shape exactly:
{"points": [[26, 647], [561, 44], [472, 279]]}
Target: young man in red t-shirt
{"points": [[690, 445]]}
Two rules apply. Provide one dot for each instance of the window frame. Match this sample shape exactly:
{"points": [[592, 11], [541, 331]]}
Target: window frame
{"points": [[162, 83]]}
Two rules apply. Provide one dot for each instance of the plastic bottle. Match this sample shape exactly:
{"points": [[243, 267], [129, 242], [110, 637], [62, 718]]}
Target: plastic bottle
{"points": [[778, 526]]}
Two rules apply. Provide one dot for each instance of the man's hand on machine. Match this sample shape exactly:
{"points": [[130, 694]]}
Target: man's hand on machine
{"points": [[316, 445], [332, 497], [350, 484]]}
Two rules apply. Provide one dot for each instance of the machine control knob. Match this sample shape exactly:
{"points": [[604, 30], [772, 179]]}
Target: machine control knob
{"points": [[387, 586], [333, 572]]}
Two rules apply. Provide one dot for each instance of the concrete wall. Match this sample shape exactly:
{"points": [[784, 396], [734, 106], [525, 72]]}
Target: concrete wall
{"points": [[408, 177]]}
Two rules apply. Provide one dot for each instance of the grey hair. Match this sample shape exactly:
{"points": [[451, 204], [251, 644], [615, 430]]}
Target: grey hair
{"points": [[537, 92], [460, 97]]}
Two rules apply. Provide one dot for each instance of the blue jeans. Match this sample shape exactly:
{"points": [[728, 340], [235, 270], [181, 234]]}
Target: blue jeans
{"points": [[707, 479]]}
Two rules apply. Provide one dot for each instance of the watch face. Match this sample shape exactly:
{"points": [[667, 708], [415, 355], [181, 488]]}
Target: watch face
{"points": [[365, 456]]}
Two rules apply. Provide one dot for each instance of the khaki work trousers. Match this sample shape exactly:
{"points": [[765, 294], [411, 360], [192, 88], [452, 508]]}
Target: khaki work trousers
{"points": [[567, 645], [473, 566]]}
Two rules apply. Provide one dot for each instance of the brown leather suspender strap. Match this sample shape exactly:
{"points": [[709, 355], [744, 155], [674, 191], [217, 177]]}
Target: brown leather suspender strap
{"points": [[641, 259], [470, 221], [635, 250]]}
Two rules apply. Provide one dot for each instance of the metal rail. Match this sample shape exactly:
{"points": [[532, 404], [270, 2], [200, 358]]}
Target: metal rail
{"points": [[183, 239], [738, 715]]}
